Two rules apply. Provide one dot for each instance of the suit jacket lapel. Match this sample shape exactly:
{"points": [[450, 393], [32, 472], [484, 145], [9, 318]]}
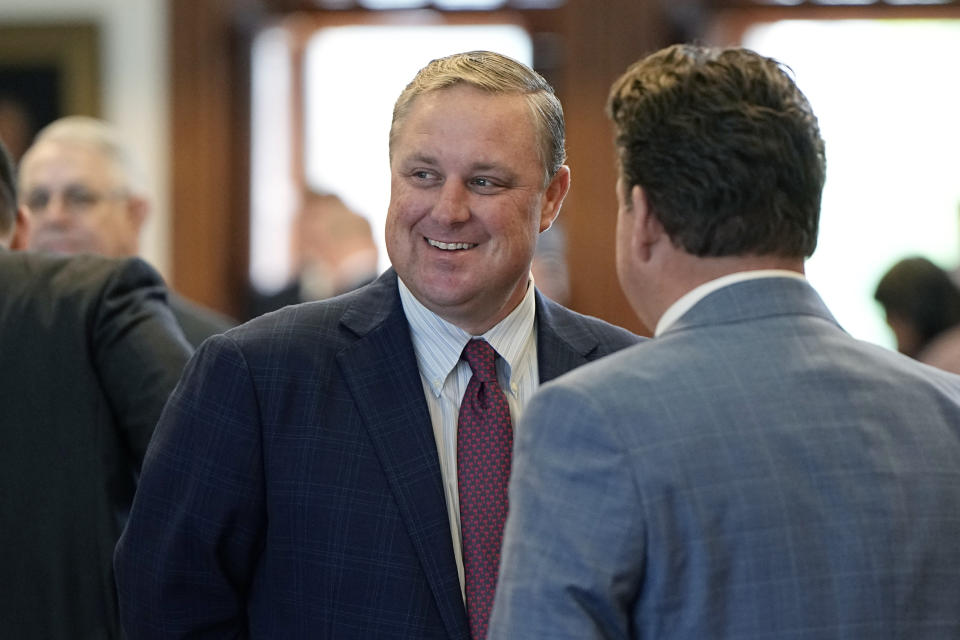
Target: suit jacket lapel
{"points": [[381, 370], [561, 345]]}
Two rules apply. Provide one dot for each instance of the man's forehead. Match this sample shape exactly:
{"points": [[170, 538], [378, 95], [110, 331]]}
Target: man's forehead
{"points": [[55, 159], [470, 160], [471, 128], [491, 114], [441, 97]]}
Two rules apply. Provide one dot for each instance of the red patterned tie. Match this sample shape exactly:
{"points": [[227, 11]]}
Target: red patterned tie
{"points": [[484, 444]]}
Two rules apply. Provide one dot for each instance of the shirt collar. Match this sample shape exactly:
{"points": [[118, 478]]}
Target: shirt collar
{"points": [[695, 295], [438, 343]]}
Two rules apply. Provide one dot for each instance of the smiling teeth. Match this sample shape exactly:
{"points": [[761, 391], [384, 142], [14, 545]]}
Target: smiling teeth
{"points": [[450, 246]]}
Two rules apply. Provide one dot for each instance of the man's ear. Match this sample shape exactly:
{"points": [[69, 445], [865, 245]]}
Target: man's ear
{"points": [[553, 197], [21, 230], [137, 209], [647, 229]]}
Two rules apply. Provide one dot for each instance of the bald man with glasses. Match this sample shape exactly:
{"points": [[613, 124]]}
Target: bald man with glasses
{"points": [[85, 195]]}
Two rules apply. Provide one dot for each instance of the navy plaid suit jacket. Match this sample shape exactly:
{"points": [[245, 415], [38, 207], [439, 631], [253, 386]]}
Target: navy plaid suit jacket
{"points": [[293, 489]]}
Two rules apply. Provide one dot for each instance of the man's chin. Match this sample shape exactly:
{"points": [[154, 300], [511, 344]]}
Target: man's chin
{"points": [[61, 245]]}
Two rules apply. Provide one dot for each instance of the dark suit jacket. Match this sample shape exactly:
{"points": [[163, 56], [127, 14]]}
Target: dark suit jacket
{"points": [[197, 322], [293, 488], [89, 353]]}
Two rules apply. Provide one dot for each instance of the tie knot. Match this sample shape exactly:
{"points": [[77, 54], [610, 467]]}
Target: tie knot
{"points": [[482, 358]]}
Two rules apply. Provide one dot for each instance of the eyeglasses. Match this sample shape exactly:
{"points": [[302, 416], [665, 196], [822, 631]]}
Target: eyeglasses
{"points": [[76, 199]]}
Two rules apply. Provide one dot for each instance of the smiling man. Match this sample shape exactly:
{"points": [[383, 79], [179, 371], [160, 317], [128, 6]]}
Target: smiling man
{"points": [[470, 194], [310, 478]]}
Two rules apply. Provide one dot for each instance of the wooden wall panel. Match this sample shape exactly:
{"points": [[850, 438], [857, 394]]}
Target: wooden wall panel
{"points": [[210, 151], [599, 45]]}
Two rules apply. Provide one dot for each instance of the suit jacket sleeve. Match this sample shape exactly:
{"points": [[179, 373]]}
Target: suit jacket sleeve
{"points": [[197, 521], [138, 348], [570, 566]]}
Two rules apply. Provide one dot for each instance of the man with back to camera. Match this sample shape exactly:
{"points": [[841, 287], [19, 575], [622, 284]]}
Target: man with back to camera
{"points": [[85, 196], [753, 471], [89, 353], [303, 482]]}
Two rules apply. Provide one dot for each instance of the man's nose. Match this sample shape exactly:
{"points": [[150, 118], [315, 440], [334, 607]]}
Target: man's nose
{"points": [[56, 209], [453, 205]]}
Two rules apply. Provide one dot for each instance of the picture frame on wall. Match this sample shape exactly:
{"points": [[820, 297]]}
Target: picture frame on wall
{"points": [[46, 71]]}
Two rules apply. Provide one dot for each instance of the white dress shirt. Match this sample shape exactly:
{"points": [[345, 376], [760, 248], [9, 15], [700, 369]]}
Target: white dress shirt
{"points": [[438, 345]]}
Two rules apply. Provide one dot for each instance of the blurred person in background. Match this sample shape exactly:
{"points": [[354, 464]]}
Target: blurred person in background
{"points": [[922, 306], [85, 195], [89, 352], [333, 252]]}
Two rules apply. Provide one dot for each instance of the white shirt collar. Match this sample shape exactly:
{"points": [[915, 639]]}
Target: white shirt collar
{"points": [[686, 302], [438, 343]]}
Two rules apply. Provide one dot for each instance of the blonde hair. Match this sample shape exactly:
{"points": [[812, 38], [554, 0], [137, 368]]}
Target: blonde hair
{"points": [[499, 75]]}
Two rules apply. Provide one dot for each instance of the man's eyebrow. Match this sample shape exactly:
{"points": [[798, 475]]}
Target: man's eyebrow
{"points": [[420, 157], [482, 166], [46, 188], [494, 167]]}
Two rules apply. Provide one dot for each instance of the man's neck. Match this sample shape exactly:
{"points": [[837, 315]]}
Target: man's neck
{"points": [[687, 272]]}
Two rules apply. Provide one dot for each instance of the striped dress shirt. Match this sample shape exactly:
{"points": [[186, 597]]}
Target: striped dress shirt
{"points": [[438, 345]]}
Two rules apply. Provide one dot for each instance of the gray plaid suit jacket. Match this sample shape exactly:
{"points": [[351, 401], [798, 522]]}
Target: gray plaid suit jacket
{"points": [[753, 472], [293, 489]]}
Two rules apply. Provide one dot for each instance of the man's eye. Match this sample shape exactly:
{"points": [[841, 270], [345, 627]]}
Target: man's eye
{"points": [[423, 175], [482, 184], [79, 198], [38, 200]]}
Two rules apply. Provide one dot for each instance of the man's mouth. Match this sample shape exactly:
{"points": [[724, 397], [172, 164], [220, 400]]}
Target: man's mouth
{"points": [[450, 246]]}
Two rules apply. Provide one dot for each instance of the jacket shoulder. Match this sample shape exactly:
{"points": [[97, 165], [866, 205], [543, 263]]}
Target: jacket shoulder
{"points": [[577, 326]]}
